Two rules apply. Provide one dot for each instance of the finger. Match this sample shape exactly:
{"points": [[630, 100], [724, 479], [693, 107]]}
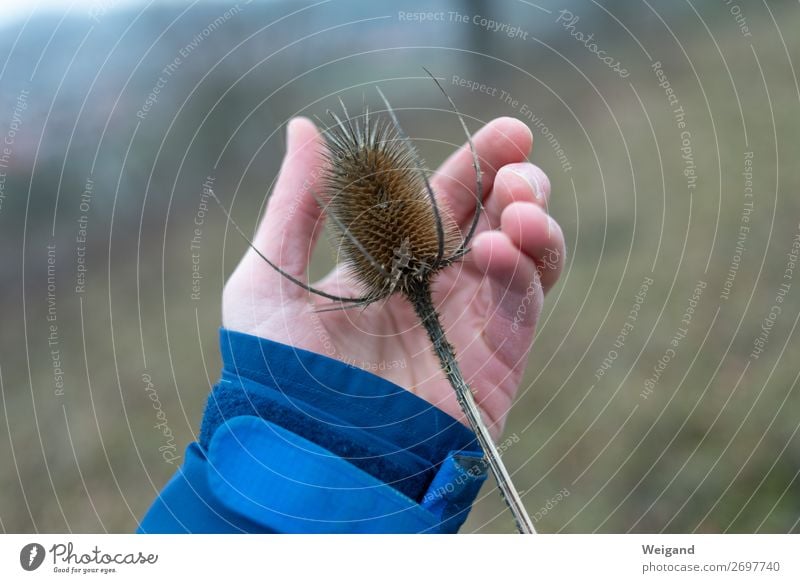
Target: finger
{"points": [[292, 221], [538, 236], [520, 182], [502, 141], [516, 294]]}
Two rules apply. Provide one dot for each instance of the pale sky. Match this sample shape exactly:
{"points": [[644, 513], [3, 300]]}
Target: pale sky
{"points": [[19, 10]]}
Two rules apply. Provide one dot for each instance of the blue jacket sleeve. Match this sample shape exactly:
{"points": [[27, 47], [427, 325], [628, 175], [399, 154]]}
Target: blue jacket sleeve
{"points": [[297, 442]]}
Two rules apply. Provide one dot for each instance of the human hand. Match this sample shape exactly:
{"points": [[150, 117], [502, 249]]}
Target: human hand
{"points": [[489, 303]]}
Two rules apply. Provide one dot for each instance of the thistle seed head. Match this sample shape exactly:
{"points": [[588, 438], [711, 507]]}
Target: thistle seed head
{"points": [[384, 221]]}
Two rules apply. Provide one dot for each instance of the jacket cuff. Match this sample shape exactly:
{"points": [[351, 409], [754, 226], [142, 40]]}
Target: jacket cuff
{"points": [[259, 477], [371, 424]]}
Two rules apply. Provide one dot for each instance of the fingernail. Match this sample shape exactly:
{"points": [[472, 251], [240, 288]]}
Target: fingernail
{"points": [[291, 128], [552, 226], [532, 182]]}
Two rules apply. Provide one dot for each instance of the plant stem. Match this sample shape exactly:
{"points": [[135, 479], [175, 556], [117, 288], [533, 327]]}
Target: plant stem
{"points": [[421, 299]]}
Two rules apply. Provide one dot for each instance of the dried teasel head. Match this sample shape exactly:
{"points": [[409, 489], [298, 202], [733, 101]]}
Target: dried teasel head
{"points": [[388, 226], [375, 194]]}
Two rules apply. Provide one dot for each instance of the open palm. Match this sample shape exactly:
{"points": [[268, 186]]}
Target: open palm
{"points": [[489, 302]]}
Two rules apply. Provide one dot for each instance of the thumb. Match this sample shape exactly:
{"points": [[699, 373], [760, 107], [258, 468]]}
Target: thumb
{"points": [[292, 221]]}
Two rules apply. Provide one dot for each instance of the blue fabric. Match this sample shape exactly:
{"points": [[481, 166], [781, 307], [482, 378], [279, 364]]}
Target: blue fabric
{"points": [[294, 441], [187, 504], [291, 471]]}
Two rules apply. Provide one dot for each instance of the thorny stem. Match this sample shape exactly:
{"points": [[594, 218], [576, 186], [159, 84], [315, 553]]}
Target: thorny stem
{"points": [[421, 299]]}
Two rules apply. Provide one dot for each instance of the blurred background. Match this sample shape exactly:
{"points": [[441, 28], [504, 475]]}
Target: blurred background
{"points": [[662, 391]]}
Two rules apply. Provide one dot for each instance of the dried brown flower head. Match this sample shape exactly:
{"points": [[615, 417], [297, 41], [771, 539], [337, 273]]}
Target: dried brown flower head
{"points": [[379, 202]]}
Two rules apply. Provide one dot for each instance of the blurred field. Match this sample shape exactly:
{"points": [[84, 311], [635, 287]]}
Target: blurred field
{"points": [[712, 445]]}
